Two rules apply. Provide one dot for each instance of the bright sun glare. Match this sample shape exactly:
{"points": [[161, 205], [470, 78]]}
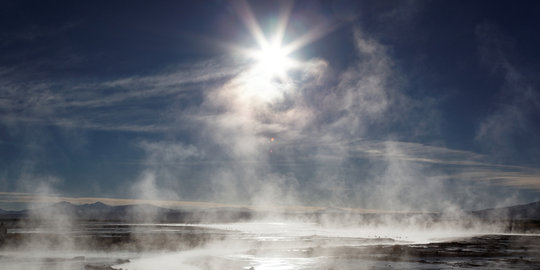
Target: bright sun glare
{"points": [[273, 60]]}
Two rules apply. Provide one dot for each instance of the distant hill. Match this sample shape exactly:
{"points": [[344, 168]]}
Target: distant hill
{"points": [[530, 211], [150, 213], [5, 214], [126, 213]]}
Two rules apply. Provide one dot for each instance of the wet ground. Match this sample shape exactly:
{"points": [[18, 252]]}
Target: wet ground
{"points": [[480, 252], [107, 246]]}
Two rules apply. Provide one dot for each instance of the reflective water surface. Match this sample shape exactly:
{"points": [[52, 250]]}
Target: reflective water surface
{"points": [[266, 246]]}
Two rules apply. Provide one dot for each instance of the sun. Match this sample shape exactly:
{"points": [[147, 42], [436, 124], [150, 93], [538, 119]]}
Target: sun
{"points": [[271, 67], [268, 79], [272, 56], [273, 60]]}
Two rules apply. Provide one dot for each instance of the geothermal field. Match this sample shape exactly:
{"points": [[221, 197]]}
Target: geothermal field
{"points": [[269, 134], [326, 239]]}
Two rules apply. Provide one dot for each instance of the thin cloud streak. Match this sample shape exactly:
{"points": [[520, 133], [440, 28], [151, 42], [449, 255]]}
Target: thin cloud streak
{"points": [[37, 102], [458, 164]]}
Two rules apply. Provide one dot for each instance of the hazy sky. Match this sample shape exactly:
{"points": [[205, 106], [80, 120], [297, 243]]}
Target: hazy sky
{"points": [[422, 105]]}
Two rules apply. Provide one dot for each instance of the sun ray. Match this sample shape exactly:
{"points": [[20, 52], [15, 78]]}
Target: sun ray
{"points": [[271, 46], [268, 78], [250, 22], [283, 21]]}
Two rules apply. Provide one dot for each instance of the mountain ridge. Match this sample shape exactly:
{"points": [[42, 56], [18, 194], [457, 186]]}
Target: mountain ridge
{"points": [[100, 211]]}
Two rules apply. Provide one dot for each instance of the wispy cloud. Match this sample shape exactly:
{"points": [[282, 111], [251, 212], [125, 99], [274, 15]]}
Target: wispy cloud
{"points": [[455, 164], [444, 162], [122, 104]]}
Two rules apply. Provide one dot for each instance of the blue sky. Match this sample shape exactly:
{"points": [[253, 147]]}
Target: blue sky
{"points": [[405, 105]]}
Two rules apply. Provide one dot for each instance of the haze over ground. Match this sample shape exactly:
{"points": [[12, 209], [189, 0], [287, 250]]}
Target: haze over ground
{"points": [[395, 105]]}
